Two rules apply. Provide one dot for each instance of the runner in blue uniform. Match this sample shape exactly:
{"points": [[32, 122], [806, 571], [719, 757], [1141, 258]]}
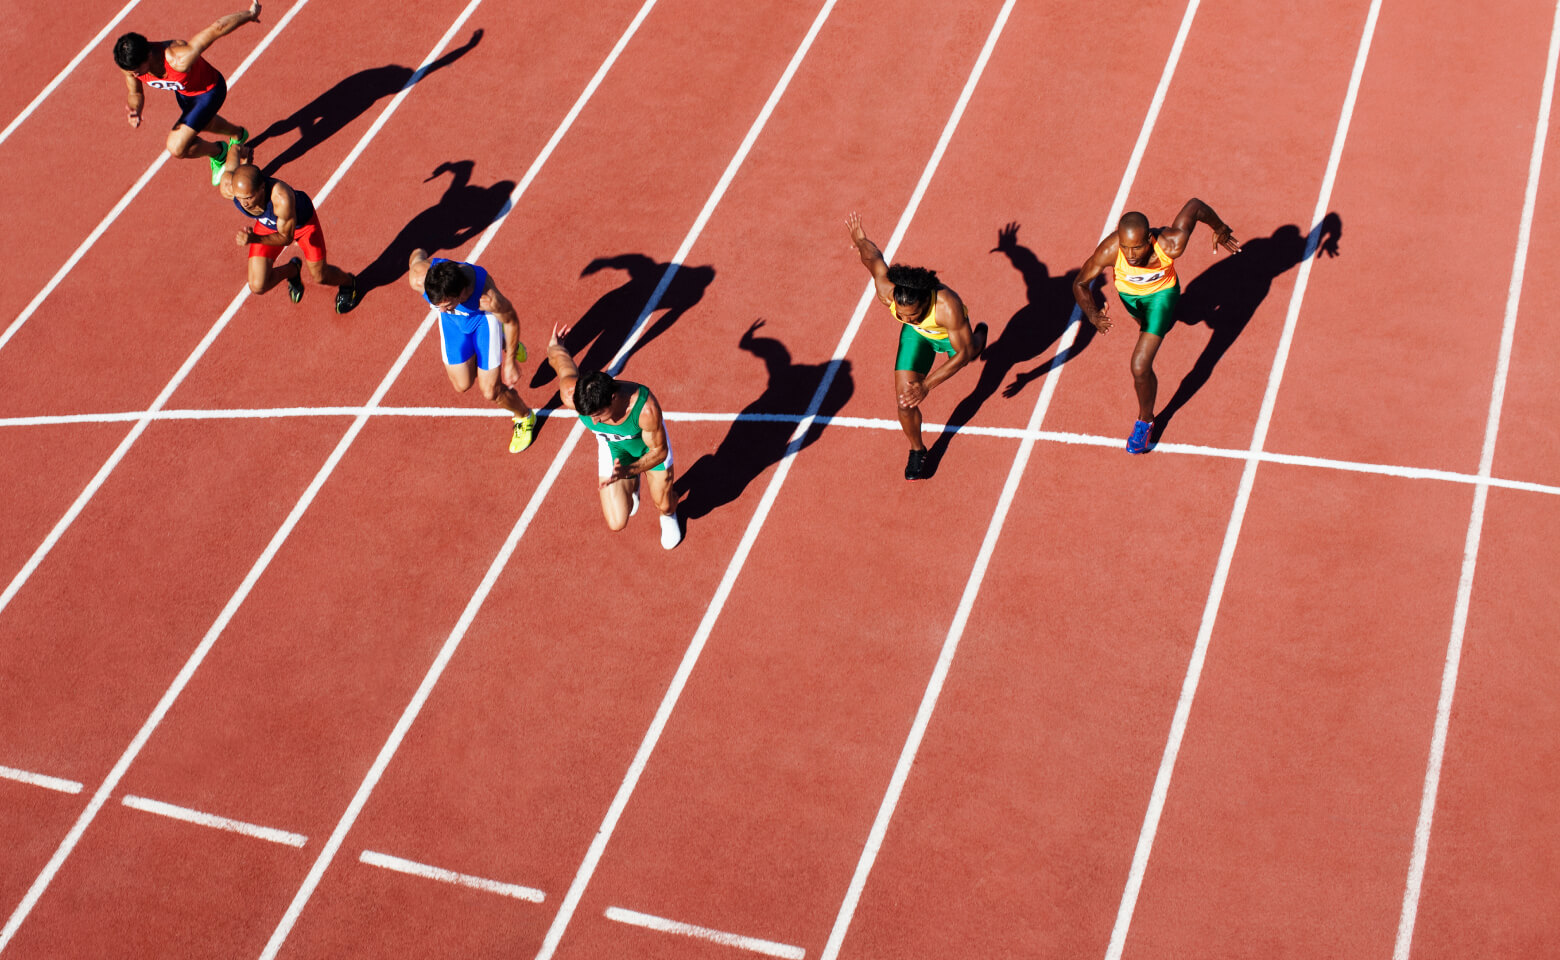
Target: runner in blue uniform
{"points": [[479, 335]]}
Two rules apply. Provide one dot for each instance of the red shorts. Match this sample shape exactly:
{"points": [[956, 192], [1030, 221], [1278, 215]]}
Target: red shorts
{"points": [[310, 238]]}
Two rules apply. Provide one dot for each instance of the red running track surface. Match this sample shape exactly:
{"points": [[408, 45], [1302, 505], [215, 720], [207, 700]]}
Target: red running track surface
{"points": [[711, 735]]}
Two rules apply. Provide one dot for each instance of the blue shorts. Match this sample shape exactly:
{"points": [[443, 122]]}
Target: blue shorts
{"points": [[486, 342], [197, 112]]}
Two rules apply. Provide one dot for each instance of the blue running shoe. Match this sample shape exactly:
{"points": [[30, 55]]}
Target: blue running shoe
{"points": [[1138, 442]]}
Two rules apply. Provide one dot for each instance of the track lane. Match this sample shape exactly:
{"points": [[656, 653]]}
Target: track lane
{"points": [[1492, 876], [1419, 364]]}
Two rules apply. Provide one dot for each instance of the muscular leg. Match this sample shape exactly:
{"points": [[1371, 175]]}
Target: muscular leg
{"points": [[909, 417], [263, 275], [1143, 378], [184, 144], [616, 501], [462, 375], [221, 128], [498, 393], [318, 271], [660, 483]]}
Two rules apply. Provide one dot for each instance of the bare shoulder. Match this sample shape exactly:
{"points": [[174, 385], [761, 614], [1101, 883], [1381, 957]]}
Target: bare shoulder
{"points": [[650, 413], [178, 54], [566, 391], [951, 303]]}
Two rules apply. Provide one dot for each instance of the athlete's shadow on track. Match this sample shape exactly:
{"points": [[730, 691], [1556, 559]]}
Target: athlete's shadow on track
{"points": [[606, 325], [463, 212], [1028, 333], [750, 448], [1227, 294], [325, 115]]}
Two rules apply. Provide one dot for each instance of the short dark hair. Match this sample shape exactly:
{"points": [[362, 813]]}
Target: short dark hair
{"points": [[593, 392], [131, 50], [913, 286], [443, 281], [1133, 220]]}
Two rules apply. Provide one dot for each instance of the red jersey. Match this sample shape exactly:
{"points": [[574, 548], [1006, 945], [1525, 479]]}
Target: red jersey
{"points": [[200, 77]]}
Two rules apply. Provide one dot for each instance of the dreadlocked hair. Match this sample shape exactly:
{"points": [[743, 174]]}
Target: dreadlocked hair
{"points": [[913, 286]]}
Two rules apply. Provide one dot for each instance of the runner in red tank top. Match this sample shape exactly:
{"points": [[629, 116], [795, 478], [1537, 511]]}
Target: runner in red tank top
{"points": [[177, 65]]}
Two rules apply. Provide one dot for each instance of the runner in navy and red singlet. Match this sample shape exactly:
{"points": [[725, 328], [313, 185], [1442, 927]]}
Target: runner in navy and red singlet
{"points": [[178, 65], [283, 216]]}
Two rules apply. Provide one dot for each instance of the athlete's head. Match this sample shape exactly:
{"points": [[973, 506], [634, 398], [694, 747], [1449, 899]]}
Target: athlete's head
{"points": [[1132, 235], [914, 288], [247, 184], [446, 284], [593, 393], [131, 52]]}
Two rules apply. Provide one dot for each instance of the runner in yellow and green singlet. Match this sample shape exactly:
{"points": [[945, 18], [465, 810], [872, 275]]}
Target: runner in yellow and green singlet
{"points": [[631, 440], [932, 321], [1142, 262]]}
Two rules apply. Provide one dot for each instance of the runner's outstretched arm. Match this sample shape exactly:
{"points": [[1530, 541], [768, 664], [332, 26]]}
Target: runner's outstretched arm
{"points": [[184, 53]]}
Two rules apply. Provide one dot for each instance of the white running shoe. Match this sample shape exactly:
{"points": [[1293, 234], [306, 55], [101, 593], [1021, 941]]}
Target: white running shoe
{"points": [[633, 503], [671, 532]]}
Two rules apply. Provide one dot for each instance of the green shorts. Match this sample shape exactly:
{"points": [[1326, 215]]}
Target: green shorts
{"points": [[1154, 313], [917, 352]]}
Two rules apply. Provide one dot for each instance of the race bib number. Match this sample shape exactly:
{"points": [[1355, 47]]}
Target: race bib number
{"points": [[1146, 277], [166, 85]]}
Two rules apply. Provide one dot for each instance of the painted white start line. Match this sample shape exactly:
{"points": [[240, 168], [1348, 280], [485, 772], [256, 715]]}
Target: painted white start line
{"points": [[215, 822], [40, 780], [529, 894], [768, 948]]}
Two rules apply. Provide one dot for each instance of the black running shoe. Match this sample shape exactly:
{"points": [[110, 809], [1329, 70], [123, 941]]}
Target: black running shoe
{"points": [[295, 285], [346, 297], [915, 467]]}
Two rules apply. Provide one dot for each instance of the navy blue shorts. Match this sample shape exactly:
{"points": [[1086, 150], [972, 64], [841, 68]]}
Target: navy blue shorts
{"points": [[196, 112]]}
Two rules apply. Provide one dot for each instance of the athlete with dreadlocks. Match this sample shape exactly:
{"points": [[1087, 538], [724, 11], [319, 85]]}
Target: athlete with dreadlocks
{"points": [[933, 321]]}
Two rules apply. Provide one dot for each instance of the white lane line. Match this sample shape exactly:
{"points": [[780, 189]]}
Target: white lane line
{"points": [[1183, 707], [1443, 709], [40, 780], [135, 191], [864, 423], [972, 585], [100, 797], [215, 822], [60, 77], [750, 534], [385, 860], [468, 616], [768, 948]]}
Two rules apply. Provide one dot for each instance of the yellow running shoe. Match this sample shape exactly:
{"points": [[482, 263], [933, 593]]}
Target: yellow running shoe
{"points": [[525, 432], [520, 354]]}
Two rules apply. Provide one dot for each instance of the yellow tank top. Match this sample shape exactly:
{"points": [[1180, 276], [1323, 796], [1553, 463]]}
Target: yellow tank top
{"points": [[927, 326], [1158, 274]]}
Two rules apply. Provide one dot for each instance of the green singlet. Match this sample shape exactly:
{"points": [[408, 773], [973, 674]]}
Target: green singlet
{"points": [[1155, 313], [626, 439], [917, 352]]}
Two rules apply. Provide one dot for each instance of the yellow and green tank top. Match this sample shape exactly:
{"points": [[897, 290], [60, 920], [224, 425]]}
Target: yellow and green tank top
{"points": [[1158, 274], [927, 326]]}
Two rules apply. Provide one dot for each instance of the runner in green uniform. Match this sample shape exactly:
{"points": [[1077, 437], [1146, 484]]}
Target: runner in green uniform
{"points": [[631, 440], [933, 321]]}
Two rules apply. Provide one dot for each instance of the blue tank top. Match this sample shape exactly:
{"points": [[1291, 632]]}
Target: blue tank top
{"points": [[303, 208], [468, 314]]}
